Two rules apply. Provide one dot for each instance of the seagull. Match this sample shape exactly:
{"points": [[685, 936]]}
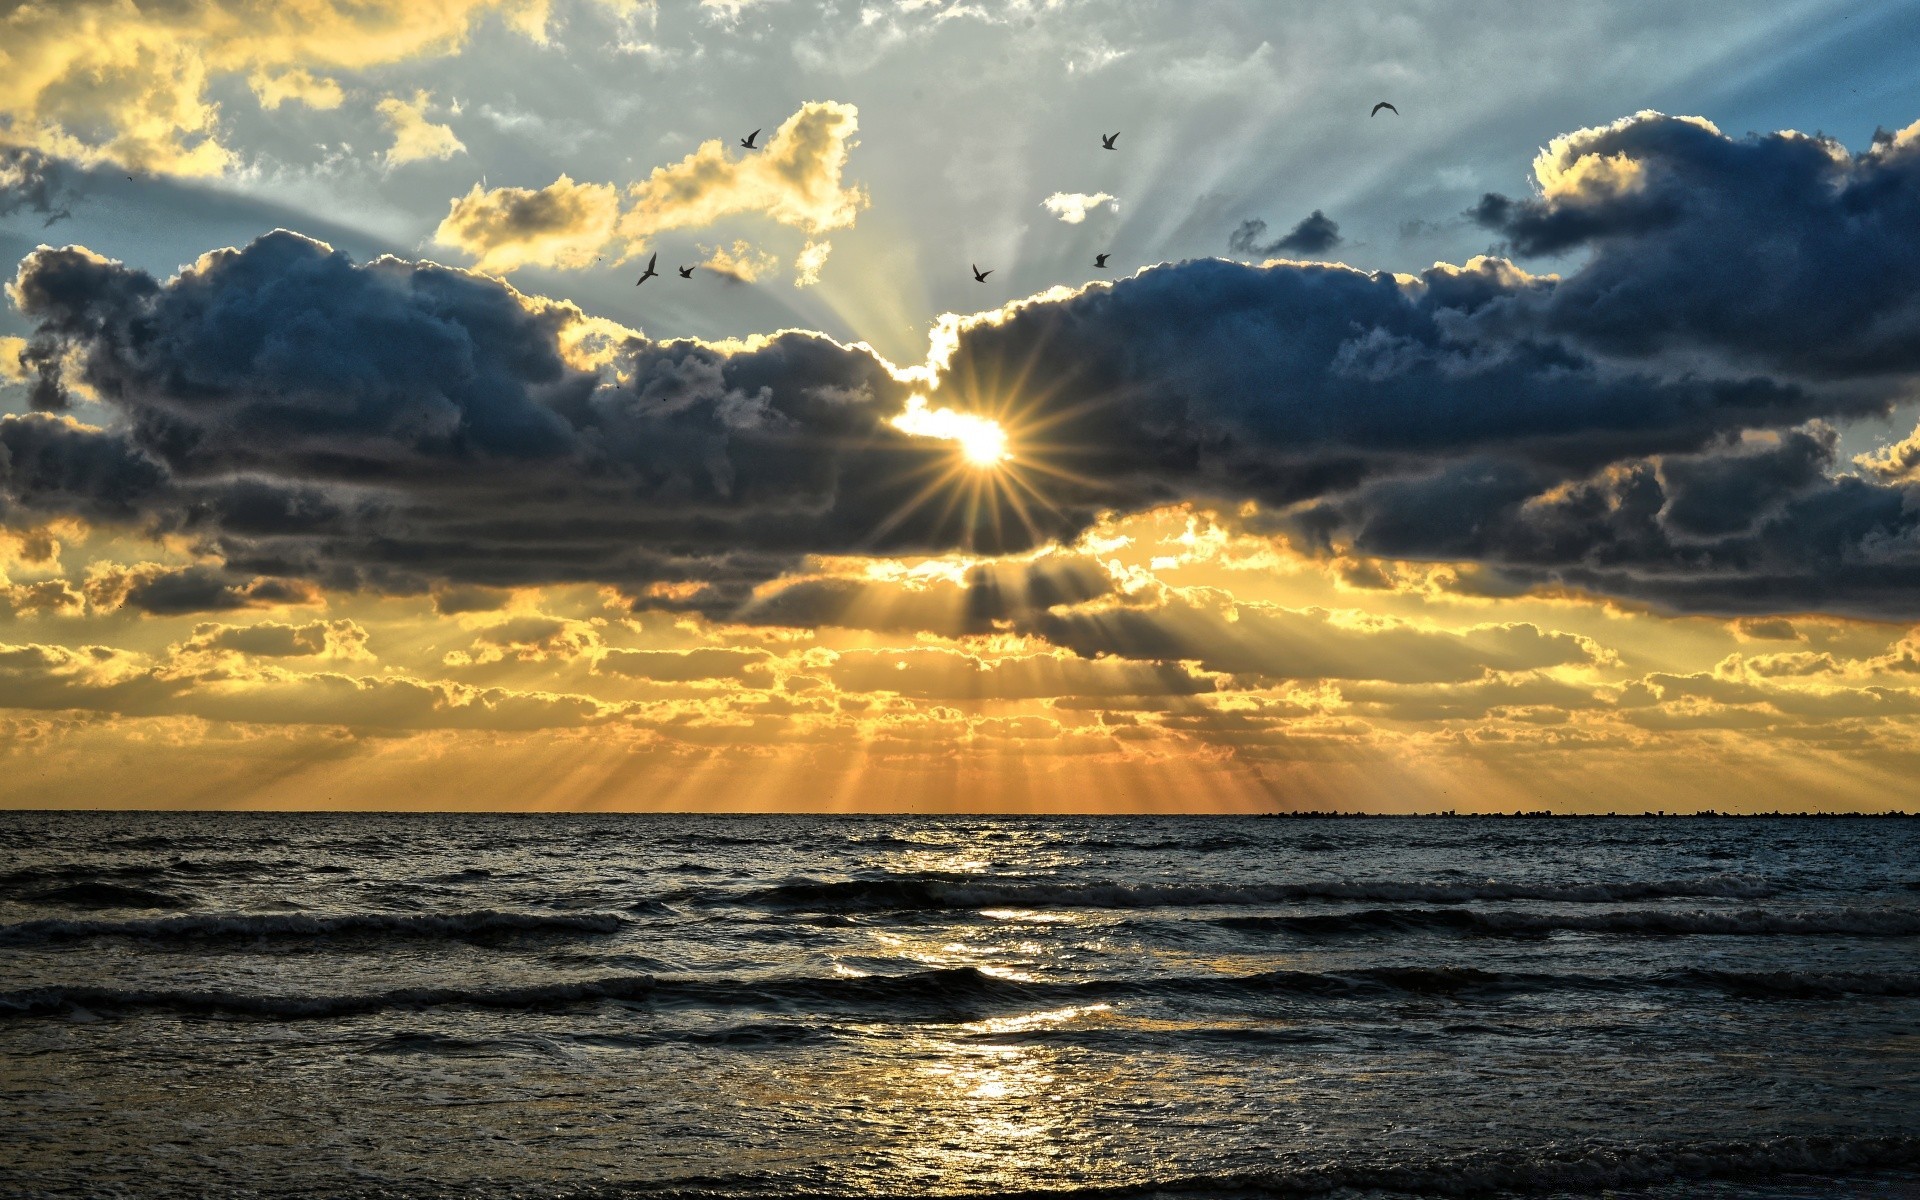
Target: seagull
{"points": [[980, 276], [1107, 140], [1383, 104], [747, 141], [1100, 261], [686, 272], [650, 272]]}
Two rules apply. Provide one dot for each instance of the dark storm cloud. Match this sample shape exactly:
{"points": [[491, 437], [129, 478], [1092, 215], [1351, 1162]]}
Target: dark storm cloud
{"points": [[1738, 529], [397, 424], [1784, 250], [1263, 642], [1315, 234], [32, 182], [1288, 382], [404, 427]]}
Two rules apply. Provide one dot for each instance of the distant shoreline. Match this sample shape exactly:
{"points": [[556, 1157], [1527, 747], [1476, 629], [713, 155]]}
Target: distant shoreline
{"points": [[1301, 814], [1542, 814]]}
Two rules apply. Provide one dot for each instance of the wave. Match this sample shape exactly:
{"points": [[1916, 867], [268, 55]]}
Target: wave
{"points": [[1848, 922], [1800, 985], [1589, 1168], [948, 993], [106, 895], [299, 926], [934, 893]]}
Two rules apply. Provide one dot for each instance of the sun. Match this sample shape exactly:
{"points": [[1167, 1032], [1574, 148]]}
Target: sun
{"points": [[984, 444], [982, 440]]}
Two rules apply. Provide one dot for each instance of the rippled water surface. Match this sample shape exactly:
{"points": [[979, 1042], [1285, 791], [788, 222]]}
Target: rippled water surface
{"points": [[331, 1005]]}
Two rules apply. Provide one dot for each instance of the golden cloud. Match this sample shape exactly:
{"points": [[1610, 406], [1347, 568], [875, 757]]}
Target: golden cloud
{"points": [[274, 88], [414, 137], [795, 180], [563, 225], [113, 81], [742, 261]]}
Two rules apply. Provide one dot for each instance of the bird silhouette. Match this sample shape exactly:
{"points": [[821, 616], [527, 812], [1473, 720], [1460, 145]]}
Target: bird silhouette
{"points": [[980, 276], [1100, 261], [747, 141], [1107, 140], [649, 273], [1383, 104], [686, 272]]}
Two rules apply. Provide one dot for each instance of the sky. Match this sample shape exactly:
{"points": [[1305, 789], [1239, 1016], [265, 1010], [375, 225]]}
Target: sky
{"points": [[1549, 442]]}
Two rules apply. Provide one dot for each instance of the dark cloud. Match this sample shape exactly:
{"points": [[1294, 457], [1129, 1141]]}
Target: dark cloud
{"points": [[992, 597], [404, 427], [1738, 529], [275, 639], [1266, 642], [395, 424], [32, 182], [1283, 383], [1782, 249], [1315, 234]]}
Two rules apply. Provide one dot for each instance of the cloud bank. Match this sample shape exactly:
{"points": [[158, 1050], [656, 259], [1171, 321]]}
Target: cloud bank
{"points": [[1653, 424]]}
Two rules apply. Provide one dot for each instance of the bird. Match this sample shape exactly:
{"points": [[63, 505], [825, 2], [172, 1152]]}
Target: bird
{"points": [[980, 276], [1100, 261], [1107, 140], [686, 272], [1383, 104], [747, 141], [649, 273]]}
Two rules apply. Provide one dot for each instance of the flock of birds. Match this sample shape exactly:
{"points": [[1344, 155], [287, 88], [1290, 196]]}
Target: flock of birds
{"points": [[1107, 141]]}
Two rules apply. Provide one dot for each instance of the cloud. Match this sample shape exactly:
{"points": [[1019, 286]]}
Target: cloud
{"points": [[811, 261], [959, 676], [1743, 528], [100, 81], [687, 666], [1314, 235], [1276, 642], [1072, 207], [395, 425], [276, 639], [414, 137], [32, 182], [795, 179], [1898, 462], [433, 427], [274, 88], [159, 590], [107, 679], [563, 225], [740, 263], [13, 367], [987, 598], [1784, 250]]}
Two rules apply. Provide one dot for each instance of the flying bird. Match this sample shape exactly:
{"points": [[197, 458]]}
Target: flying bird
{"points": [[686, 272], [1100, 260], [747, 141], [1107, 140], [649, 273], [980, 276], [1383, 104]]}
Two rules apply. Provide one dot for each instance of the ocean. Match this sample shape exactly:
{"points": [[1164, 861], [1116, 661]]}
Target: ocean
{"points": [[334, 1005]]}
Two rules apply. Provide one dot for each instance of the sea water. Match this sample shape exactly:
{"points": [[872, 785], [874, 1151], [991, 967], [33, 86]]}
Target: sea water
{"points": [[438, 1005]]}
